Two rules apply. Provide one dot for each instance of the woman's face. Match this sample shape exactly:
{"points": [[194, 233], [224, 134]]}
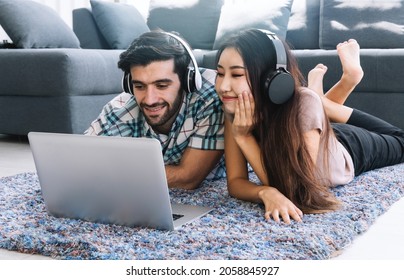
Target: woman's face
{"points": [[232, 79]]}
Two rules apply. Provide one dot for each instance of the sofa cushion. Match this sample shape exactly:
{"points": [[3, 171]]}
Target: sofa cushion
{"points": [[119, 23], [374, 24], [32, 25], [303, 26], [241, 14], [196, 21], [87, 31]]}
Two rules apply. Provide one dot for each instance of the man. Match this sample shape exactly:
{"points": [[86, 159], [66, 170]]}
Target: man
{"points": [[168, 100]]}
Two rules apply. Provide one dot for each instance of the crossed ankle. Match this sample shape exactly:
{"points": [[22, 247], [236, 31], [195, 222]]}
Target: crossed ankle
{"points": [[353, 77]]}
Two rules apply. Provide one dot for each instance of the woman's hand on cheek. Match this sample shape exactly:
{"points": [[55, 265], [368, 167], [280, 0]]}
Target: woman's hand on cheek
{"points": [[243, 122], [279, 206]]}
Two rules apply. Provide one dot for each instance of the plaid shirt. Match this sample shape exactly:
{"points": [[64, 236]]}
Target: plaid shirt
{"points": [[199, 124]]}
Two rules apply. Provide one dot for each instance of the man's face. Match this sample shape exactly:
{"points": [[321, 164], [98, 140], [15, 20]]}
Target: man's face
{"points": [[157, 90]]}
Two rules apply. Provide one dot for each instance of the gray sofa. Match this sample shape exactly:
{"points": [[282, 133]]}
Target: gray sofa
{"points": [[313, 36], [55, 90], [379, 30], [63, 89], [47, 82], [309, 32]]}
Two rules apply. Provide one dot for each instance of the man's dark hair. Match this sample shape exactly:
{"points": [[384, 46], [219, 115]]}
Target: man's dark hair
{"points": [[156, 46]]}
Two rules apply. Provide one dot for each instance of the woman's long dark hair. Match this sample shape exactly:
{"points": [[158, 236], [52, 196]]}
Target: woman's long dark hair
{"points": [[285, 156]]}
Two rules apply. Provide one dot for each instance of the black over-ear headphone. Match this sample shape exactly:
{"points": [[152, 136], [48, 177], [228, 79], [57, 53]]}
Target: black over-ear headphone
{"points": [[193, 76], [279, 83]]}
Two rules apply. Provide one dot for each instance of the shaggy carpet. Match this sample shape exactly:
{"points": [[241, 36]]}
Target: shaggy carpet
{"points": [[234, 230]]}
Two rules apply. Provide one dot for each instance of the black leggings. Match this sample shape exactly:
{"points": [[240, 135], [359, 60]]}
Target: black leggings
{"points": [[371, 142]]}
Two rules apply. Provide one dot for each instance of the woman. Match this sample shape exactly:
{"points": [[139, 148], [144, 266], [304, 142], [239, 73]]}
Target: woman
{"points": [[292, 147]]}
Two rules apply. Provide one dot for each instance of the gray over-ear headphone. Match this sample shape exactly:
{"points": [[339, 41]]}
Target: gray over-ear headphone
{"points": [[193, 76], [279, 84]]}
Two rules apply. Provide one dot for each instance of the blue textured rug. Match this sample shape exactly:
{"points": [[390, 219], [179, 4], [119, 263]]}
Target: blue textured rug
{"points": [[234, 230]]}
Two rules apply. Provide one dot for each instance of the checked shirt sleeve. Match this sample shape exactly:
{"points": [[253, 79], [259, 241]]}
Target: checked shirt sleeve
{"points": [[116, 118]]}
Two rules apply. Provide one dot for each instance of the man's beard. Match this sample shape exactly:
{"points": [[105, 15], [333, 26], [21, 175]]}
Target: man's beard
{"points": [[171, 111]]}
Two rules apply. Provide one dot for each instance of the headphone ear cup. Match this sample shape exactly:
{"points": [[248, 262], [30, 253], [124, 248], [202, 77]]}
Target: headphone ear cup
{"points": [[127, 83], [190, 82], [280, 86], [193, 76]]}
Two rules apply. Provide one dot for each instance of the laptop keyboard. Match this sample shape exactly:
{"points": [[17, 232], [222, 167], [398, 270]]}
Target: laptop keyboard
{"points": [[177, 216]]}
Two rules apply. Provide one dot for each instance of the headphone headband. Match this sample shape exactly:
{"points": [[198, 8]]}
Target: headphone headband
{"points": [[279, 84], [281, 58], [193, 79], [198, 77]]}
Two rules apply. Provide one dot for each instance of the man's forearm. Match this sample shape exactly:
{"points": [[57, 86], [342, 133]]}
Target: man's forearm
{"points": [[177, 177]]}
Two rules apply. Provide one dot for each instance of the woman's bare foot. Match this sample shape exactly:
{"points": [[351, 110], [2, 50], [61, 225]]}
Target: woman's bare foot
{"points": [[349, 56], [315, 78]]}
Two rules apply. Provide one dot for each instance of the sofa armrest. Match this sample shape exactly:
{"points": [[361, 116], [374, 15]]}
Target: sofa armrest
{"points": [[59, 72]]}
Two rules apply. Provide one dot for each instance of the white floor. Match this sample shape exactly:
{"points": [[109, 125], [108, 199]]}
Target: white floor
{"points": [[383, 241]]}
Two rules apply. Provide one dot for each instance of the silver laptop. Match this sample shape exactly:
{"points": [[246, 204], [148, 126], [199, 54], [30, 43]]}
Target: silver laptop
{"points": [[114, 180]]}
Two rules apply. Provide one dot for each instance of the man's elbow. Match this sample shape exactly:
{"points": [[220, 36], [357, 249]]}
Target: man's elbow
{"points": [[189, 185]]}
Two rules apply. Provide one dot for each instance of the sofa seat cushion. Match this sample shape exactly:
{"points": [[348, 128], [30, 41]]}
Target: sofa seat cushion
{"points": [[32, 25], [374, 24], [119, 23], [59, 72], [241, 14], [195, 21]]}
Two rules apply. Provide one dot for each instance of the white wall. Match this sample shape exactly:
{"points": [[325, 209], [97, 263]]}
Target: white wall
{"points": [[65, 7]]}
